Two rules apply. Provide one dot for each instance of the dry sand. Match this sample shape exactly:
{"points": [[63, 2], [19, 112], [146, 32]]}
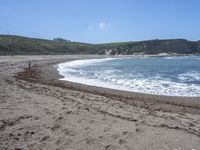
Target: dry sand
{"points": [[39, 112]]}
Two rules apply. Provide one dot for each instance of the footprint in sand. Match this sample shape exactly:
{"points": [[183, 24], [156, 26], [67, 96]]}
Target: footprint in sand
{"points": [[69, 132], [110, 147], [138, 130], [91, 121], [87, 128], [44, 138], [89, 140], [56, 126], [106, 129], [128, 133], [62, 140], [122, 141], [115, 136]]}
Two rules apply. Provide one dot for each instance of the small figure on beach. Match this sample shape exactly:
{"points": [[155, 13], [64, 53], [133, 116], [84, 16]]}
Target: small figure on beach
{"points": [[29, 64]]}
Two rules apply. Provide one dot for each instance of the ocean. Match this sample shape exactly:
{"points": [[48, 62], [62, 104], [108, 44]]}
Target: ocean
{"points": [[171, 76]]}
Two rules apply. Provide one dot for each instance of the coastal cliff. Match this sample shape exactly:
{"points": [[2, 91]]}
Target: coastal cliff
{"points": [[18, 45]]}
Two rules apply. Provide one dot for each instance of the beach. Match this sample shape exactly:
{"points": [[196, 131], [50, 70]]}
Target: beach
{"points": [[39, 111]]}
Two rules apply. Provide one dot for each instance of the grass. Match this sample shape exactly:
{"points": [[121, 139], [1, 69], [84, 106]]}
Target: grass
{"points": [[18, 45]]}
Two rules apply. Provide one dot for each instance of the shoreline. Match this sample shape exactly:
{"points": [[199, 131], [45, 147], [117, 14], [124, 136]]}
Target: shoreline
{"points": [[104, 84], [37, 111], [185, 100]]}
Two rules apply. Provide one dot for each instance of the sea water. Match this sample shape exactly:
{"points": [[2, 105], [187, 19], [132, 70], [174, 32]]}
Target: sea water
{"points": [[172, 76]]}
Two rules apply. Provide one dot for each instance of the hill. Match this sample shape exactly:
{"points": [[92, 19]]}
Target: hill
{"points": [[18, 45]]}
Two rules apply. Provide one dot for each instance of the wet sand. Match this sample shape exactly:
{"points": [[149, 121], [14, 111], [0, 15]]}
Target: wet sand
{"points": [[37, 111]]}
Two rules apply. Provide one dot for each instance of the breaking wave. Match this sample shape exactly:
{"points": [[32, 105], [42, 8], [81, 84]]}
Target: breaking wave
{"points": [[143, 75]]}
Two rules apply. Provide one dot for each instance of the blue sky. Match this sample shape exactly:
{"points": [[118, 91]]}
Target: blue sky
{"points": [[101, 21]]}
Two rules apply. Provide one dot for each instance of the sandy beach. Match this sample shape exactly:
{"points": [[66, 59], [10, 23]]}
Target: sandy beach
{"points": [[38, 111]]}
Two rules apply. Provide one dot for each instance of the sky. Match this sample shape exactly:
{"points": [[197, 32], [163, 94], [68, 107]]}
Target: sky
{"points": [[101, 21]]}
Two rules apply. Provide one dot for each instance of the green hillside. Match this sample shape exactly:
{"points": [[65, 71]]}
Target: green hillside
{"points": [[22, 45], [18, 45]]}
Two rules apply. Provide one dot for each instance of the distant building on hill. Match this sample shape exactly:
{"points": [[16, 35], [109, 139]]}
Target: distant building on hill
{"points": [[61, 40]]}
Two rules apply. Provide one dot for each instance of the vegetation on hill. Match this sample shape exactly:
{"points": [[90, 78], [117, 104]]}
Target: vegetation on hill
{"points": [[17, 45]]}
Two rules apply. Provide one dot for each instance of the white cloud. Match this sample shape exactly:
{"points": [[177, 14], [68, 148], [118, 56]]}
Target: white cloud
{"points": [[104, 25]]}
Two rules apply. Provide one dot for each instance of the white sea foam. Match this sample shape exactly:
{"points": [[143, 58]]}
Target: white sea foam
{"points": [[177, 57], [182, 57], [108, 79], [76, 63], [190, 76], [142, 86], [69, 66]]}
